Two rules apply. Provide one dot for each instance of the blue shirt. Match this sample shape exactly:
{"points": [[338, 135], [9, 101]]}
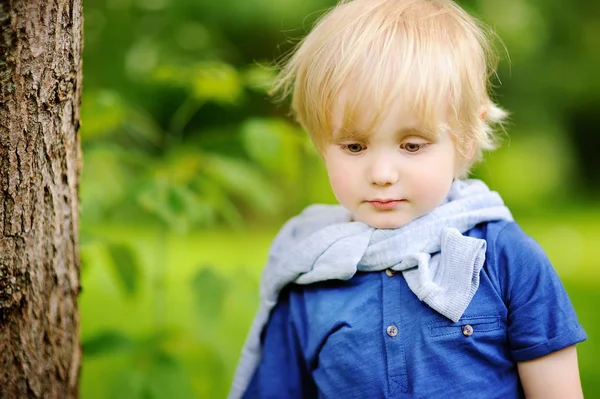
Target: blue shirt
{"points": [[370, 336]]}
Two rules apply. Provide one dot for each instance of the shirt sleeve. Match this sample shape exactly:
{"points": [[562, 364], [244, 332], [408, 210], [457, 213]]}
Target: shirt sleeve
{"points": [[541, 318], [282, 371]]}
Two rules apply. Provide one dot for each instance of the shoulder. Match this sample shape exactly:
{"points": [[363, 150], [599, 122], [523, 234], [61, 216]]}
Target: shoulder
{"points": [[508, 234], [513, 258], [540, 317], [518, 265], [506, 241]]}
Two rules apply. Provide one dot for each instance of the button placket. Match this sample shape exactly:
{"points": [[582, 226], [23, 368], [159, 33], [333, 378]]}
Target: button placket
{"points": [[392, 337]]}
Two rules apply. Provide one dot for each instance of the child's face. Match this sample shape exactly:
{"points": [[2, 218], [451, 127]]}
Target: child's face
{"points": [[393, 175]]}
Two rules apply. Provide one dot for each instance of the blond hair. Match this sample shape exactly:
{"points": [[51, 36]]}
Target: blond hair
{"points": [[370, 53]]}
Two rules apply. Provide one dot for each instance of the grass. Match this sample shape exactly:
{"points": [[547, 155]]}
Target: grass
{"points": [[209, 348]]}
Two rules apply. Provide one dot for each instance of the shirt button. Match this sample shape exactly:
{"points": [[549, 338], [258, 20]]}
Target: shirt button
{"points": [[390, 272], [467, 330], [392, 331]]}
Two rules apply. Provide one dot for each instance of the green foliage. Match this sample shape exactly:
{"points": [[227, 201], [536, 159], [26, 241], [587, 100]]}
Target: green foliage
{"points": [[259, 77], [107, 342], [209, 290], [152, 372], [155, 168], [103, 112], [207, 81], [125, 266], [181, 141], [276, 145], [241, 180]]}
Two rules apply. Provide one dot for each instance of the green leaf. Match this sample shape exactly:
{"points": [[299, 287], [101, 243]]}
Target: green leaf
{"points": [[107, 342], [259, 77], [154, 374], [220, 204], [104, 181], [241, 179], [263, 141], [130, 384], [126, 267], [167, 378], [274, 144], [211, 373], [143, 127], [174, 204], [216, 81], [101, 113], [209, 290], [182, 165], [169, 74], [207, 214]]}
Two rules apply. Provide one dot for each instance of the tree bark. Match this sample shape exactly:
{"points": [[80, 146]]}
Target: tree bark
{"points": [[40, 157]]}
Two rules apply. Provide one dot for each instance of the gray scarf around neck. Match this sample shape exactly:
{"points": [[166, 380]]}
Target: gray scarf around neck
{"points": [[439, 264]]}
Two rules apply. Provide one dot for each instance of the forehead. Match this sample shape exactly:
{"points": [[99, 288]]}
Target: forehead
{"points": [[361, 119]]}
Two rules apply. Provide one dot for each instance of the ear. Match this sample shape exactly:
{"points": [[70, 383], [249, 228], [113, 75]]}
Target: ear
{"points": [[483, 111]]}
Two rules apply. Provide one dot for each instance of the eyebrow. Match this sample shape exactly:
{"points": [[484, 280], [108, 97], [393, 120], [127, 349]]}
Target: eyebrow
{"points": [[361, 135], [350, 135], [425, 133]]}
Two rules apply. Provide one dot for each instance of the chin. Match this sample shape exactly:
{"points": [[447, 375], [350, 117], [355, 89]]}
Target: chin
{"points": [[385, 222]]}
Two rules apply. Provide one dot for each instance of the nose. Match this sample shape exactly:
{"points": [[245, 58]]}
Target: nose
{"points": [[383, 171]]}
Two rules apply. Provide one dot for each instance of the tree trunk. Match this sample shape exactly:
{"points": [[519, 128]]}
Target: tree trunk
{"points": [[40, 94]]}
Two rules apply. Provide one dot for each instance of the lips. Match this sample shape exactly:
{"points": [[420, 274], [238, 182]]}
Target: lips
{"points": [[385, 203]]}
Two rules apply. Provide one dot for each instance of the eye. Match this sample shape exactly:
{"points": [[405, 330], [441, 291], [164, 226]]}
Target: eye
{"points": [[354, 148], [412, 147]]}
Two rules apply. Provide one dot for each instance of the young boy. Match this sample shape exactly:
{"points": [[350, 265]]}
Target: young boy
{"points": [[420, 285]]}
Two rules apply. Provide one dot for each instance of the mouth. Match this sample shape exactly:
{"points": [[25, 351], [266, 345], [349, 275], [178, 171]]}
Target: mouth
{"points": [[385, 203]]}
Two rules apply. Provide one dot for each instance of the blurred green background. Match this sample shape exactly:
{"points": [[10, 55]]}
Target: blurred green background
{"points": [[189, 170]]}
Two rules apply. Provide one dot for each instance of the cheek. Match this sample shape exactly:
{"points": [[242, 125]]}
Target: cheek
{"points": [[338, 182], [434, 183], [340, 179]]}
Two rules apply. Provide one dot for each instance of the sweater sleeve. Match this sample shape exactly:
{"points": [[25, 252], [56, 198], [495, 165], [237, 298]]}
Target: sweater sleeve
{"points": [[282, 371], [541, 318]]}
